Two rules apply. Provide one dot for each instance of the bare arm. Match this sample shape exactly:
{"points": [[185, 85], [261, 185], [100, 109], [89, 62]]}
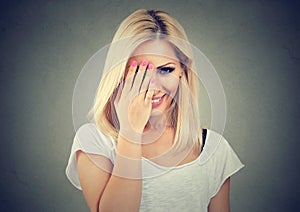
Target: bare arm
{"points": [[220, 202], [92, 178], [124, 189], [112, 192]]}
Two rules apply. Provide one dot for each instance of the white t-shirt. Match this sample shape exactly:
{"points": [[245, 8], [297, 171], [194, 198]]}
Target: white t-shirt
{"points": [[187, 187]]}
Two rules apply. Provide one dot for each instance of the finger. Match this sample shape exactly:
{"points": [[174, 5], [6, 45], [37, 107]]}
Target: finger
{"points": [[118, 92], [138, 81], [130, 76], [143, 66], [136, 86], [150, 92], [146, 81]]}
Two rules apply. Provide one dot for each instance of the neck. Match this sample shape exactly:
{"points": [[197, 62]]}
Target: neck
{"points": [[157, 122]]}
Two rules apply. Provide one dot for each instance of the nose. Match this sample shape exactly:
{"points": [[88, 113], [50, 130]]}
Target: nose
{"points": [[155, 81], [157, 84]]}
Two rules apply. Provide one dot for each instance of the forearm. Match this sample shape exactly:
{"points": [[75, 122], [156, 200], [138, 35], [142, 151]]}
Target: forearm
{"points": [[124, 189]]}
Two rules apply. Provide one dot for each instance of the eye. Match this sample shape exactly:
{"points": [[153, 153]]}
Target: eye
{"points": [[165, 70]]}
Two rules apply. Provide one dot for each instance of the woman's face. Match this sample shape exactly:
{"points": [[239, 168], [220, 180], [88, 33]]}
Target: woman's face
{"points": [[167, 71]]}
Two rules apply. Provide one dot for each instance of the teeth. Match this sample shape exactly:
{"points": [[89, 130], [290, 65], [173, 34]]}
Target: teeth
{"points": [[155, 100]]}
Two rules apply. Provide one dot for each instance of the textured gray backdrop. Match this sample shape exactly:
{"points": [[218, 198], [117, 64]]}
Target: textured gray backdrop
{"points": [[254, 46]]}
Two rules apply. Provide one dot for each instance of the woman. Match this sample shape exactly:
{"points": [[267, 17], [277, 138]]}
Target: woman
{"points": [[146, 150]]}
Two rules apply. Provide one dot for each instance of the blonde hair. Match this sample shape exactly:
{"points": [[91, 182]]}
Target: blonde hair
{"points": [[144, 25]]}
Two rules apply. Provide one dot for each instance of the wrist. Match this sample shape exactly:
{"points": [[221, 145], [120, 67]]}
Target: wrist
{"points": [[134, 136]]}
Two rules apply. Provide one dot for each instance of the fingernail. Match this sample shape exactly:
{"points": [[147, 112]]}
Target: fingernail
{"points": [[144, 62], [134, 63], [152, 80], [150, 66]]}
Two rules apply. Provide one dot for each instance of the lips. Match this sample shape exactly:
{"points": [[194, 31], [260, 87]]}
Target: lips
{"points": [[156, 101]]}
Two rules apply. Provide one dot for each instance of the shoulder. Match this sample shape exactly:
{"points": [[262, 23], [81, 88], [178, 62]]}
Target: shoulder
{"points": [[87, 128], [90, 133], [90, 139], [216, 146], [220, 159]]}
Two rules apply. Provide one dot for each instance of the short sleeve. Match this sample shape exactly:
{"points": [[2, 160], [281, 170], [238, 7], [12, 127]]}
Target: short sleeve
{"points": [[224, 163], [90, 140]]}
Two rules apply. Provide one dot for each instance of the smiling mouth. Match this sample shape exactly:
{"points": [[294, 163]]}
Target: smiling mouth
{"points": [[156, 101]]}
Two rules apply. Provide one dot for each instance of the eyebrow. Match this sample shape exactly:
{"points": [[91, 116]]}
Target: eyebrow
{"points": [[165, 65]]}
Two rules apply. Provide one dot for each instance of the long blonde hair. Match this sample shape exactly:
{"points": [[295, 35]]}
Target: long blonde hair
{"points": [[141, 26]]}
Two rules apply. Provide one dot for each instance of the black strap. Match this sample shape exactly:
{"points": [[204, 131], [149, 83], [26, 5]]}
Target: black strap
{"points": [[204, 132]]}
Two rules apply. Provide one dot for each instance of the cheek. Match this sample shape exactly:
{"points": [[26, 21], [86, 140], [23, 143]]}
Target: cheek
{"points": [[170, 85]]}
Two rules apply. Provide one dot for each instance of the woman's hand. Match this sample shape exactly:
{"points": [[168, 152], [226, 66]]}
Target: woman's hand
{"points": [[133, 101]]}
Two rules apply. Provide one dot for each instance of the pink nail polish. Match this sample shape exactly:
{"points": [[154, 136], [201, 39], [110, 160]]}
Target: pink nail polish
{"points": [[144, 62], [150, 66], [134, 63]]}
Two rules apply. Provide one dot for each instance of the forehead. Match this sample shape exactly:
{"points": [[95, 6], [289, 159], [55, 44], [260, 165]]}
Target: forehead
{"points": [[155, 48]]}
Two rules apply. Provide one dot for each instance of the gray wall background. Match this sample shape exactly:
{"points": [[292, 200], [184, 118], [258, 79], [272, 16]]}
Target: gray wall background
{"points": [[254, 46]]}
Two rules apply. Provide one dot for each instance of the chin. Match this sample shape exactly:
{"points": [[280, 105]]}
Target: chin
{"points": [[162, 107], [156, 112]]}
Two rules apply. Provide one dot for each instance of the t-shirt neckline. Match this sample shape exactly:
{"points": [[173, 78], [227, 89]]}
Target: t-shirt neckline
{"points": [[200, 157]]}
